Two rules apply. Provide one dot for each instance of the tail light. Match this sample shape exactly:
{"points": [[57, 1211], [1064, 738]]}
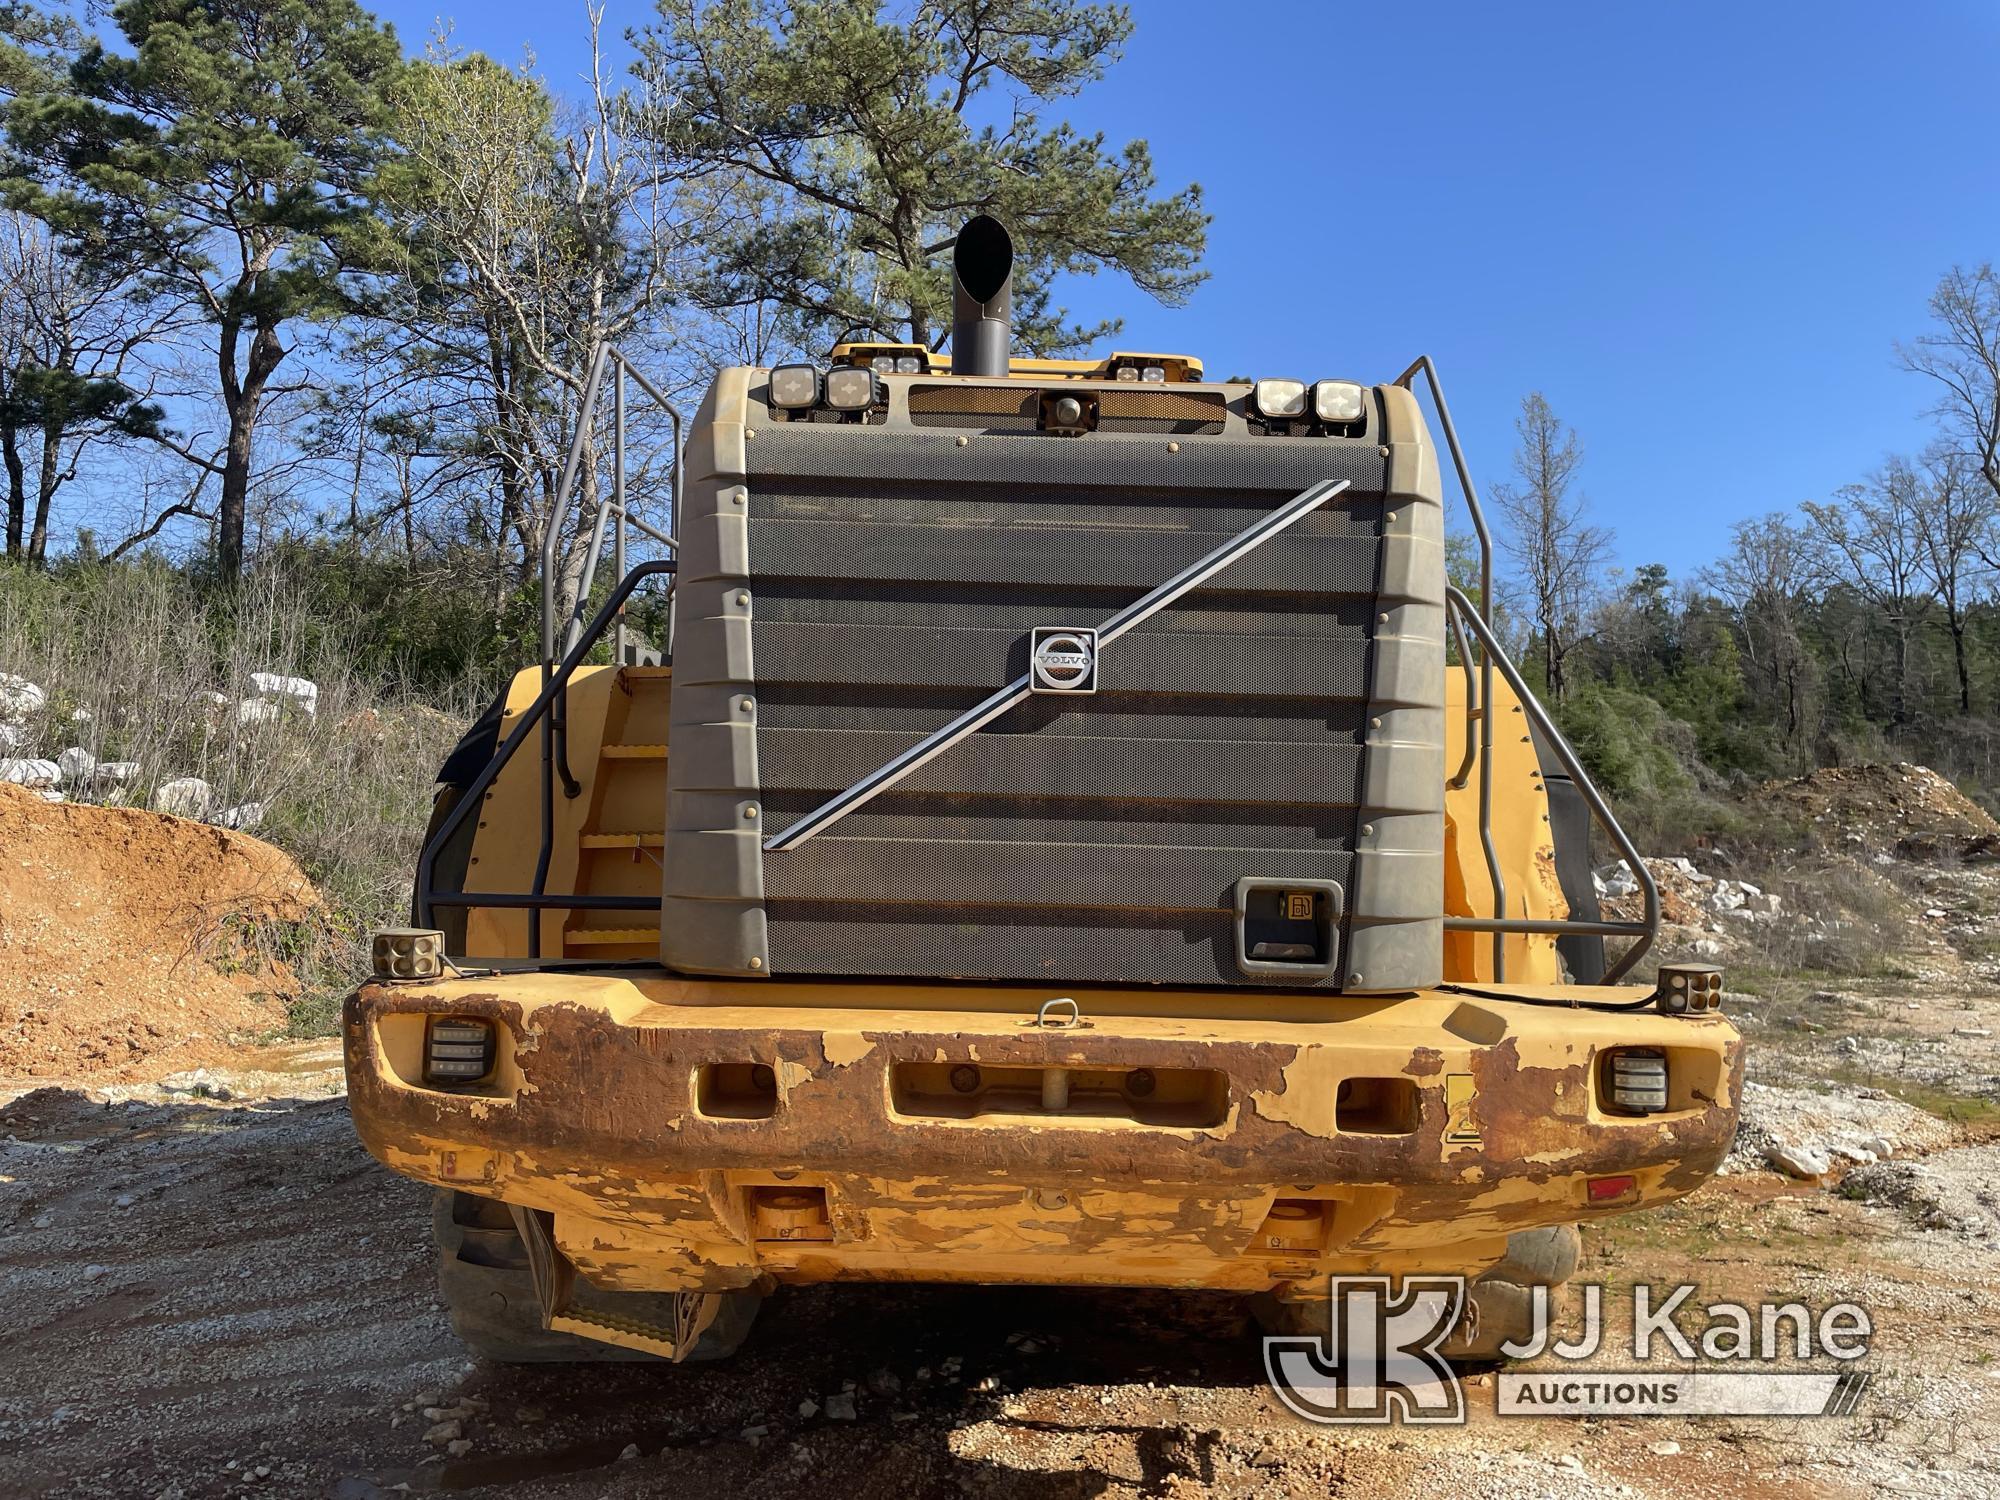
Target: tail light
{"points": [[458, 1050], [1634, 1080]]}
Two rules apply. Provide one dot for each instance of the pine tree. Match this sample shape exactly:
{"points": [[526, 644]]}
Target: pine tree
{"points": [[853, 139], [219, 162]]}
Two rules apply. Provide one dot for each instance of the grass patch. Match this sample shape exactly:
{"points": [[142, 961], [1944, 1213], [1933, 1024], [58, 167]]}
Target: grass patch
{"points": [[148, 665]]}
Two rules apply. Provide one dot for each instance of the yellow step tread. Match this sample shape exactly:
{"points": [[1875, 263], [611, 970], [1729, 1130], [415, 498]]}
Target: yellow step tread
{"points": [[652, 839], [591, 936], [633, 752], [648, 674]]}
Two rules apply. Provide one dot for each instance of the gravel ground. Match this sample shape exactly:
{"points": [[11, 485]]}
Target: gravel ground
{"points": [[227, 1297]]}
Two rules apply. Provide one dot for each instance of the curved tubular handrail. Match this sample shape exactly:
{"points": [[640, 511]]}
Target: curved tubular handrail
{"points": [[536, 713], [559, 510], [1478, 514], [1646, 929], [1473, 710]]}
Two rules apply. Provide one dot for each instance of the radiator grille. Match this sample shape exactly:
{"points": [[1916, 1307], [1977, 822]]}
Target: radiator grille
{"points": [[893, 580], [1120, 408]]}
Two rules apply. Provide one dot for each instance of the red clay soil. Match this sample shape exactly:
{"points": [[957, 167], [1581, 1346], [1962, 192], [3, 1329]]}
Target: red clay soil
{"points": [[129, 941]]}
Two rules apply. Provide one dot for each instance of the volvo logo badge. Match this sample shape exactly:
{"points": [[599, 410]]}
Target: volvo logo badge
{"points": [[1062, 660]]}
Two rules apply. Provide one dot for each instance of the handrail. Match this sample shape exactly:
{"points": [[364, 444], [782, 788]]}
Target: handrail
{"points": [[1645, 930], [614, 505], [550, 710], [537, 712], [1473, 708], [1471, 494]]}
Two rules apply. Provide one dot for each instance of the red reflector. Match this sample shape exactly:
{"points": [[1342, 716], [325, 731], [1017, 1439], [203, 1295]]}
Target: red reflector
{"points": [[1605, 1189]]}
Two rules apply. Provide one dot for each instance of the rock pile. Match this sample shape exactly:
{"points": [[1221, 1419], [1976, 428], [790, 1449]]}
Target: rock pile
{"points": [[1694, 891], [76, 774], [1904, 809], [1808, 1135]]}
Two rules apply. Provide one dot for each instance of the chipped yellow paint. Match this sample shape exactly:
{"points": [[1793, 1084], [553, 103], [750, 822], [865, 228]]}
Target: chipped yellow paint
{"points": [[1054, 1198], [1306, 1100], [844, 1051]]}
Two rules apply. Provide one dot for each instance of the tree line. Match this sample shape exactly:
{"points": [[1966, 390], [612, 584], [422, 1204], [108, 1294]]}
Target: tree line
{"points": [[283, 281], [271, 285], [1862, 625]]}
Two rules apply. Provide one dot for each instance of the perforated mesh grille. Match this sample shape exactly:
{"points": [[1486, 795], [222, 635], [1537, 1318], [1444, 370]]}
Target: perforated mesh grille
{"points": [[1015, 409], [1152, 406], [1097, 839]]}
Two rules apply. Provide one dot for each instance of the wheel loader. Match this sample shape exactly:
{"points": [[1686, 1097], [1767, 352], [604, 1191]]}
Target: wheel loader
{"points": [[1072, 833]]}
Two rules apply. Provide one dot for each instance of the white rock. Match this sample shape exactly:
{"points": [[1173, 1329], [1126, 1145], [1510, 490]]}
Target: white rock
{"points": [[258, 711], [118, 771], [30, 772], [1666, 1447], [1707, 947], [299, 690], [19, 697], [184, 797], [49, 794], [82, 716], [76, 763], [1804, 1162], [12, 737], [248, 816]]}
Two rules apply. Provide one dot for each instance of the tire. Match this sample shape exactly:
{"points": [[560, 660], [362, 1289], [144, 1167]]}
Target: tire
{"points": [[1501, 1297], [490, 1293]]}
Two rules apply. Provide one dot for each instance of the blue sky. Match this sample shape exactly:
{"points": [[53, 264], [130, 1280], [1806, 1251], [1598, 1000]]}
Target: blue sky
{"points": [[1698, 229]]}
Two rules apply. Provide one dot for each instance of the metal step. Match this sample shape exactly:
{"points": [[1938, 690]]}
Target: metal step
{"points": [[633, 752], [647, 840], [588, 937]]}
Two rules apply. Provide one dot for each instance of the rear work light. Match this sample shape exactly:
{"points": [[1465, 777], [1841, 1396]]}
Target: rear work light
{"points": [[1688, 989], [457, 1050], [1280, 400], [851, 389], [1634, 1080], [794, 387], [407, 953], [1338, 401]]}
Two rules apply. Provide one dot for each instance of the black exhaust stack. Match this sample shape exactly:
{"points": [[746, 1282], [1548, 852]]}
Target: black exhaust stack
{"points": [[982, 298]]}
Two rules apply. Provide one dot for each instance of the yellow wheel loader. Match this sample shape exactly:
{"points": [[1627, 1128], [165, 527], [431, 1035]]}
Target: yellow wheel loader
{"points": [[1073, 834]]}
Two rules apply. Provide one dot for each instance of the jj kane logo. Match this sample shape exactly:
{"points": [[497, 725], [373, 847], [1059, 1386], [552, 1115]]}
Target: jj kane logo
{"points": [[1062, 660], [1379, 1360]]}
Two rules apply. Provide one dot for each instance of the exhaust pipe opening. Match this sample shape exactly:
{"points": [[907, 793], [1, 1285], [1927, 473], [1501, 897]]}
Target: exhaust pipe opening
{"points": [[982, 298]]}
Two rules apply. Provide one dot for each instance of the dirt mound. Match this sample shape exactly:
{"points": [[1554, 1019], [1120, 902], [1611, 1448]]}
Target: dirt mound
{"points": [[134, 944], [1910, 810]]}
